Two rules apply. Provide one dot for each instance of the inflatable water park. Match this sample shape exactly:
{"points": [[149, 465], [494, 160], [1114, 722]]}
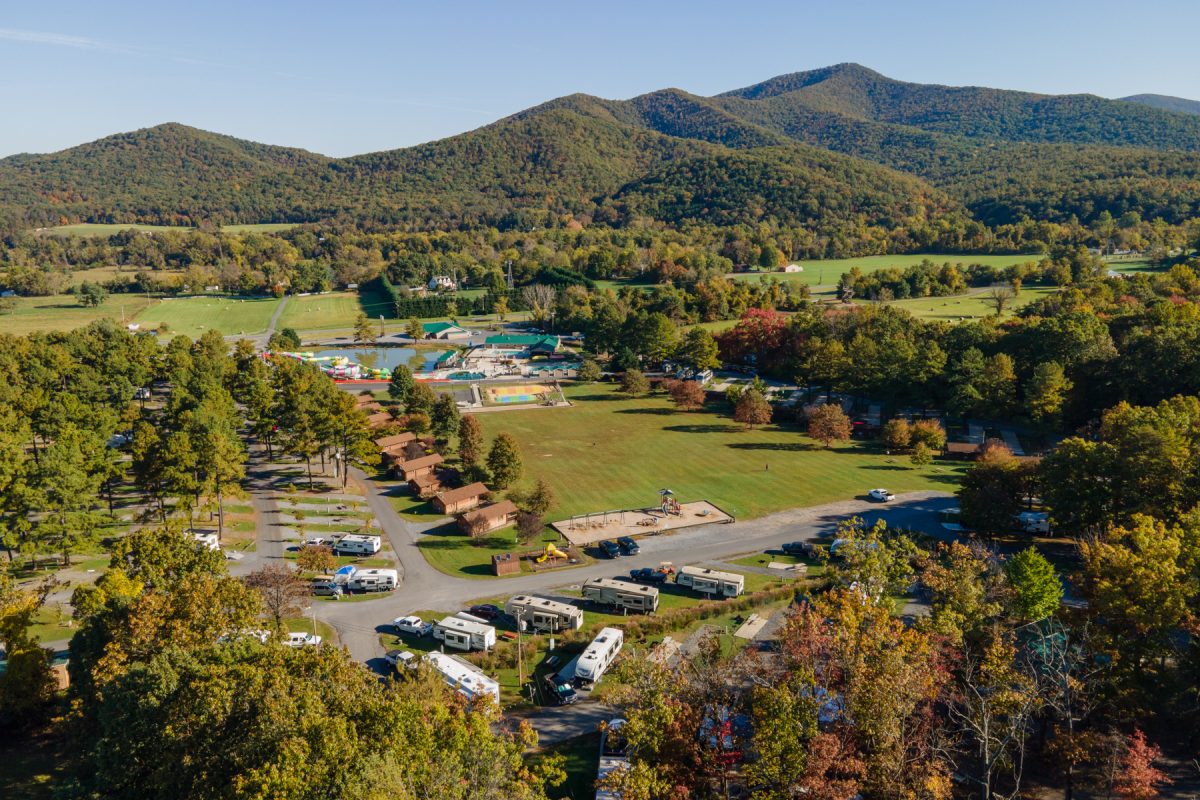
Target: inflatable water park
{"points": [[340, 368]]}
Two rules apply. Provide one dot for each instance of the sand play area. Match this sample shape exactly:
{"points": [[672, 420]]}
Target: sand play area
{"points": [[590, 528]]}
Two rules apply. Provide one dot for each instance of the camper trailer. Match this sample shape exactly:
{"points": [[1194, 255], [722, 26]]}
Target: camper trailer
{"points": [[464, 678], [541, 614], [373, 580], [358, 544], [711, 582], [465, 634], [599, 656], [621, 594]]}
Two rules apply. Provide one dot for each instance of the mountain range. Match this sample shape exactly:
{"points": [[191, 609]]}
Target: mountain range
{"points": [[823, 149]]}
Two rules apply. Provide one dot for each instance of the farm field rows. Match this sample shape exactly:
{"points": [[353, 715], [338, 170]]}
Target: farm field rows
{"points": [[607, 452]]}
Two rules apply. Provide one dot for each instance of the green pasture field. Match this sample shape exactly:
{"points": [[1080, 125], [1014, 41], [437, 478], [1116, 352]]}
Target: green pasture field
{"points": [[610, 452], [827, 272], [968, 306], [62, 312], [259, 227], [193, 316]]}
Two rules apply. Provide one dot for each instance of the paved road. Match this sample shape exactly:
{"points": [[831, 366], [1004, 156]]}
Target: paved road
{"points": [[359, 624]]}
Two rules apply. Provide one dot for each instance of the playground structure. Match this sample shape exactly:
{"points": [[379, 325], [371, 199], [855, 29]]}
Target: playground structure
{"points": [[550, 552], [670, 514], [550, 557]]}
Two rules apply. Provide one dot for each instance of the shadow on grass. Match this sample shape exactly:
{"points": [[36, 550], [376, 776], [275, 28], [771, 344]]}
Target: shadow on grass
{"points": [[595, 398], [709, 428], [887, 467], [787, 447], [656, 412]]}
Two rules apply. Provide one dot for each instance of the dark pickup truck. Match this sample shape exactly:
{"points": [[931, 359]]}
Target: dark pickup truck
{"points": [[647, 575]]}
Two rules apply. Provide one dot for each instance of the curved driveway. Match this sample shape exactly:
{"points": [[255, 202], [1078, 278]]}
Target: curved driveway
{"points": [[423, 587]]}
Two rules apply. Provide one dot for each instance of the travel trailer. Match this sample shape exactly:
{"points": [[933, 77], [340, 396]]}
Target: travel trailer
{"points": [[373, 580], [621, 594], [711, 582], [541, 614], [464, 678], [465, 634], [599, 656], [357, 544]]}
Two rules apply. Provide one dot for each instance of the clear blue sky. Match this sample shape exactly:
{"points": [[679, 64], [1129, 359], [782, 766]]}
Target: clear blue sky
{"points": [[355, 76]]}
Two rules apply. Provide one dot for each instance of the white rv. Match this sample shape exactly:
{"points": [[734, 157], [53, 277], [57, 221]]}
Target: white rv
{"points": [[621, 594], [373, 580], [358, 544], [1034, 521], [542, 614], [711, 582], [207, 541], [464, 678], [465, 634], [612, 756], [599, 655]]}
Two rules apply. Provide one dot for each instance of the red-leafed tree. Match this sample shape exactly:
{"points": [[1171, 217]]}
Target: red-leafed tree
{"points": [[1138, 778], [761, 333]]}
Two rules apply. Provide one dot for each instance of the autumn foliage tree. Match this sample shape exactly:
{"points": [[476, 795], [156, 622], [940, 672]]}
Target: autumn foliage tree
{"points": [[687, 395], [752, 408], [828, 424], [1138, 778]]}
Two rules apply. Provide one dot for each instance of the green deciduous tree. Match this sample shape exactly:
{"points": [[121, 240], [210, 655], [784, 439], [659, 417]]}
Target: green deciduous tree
{"points": [[634, 383], [401, 384], [1037, 591], [504, 461]]}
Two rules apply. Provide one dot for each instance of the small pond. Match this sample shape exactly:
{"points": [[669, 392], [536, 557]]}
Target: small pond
{"points": [[377, 357]]}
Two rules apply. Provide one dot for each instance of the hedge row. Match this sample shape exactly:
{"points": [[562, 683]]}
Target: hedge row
{"points": [[438, 305]]}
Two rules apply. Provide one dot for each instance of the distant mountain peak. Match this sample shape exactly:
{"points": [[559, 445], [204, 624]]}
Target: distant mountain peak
{"points": [[1165, 102]]}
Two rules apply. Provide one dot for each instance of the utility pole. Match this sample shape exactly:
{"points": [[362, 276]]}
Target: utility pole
{"points": [[520, 656], [508, 267]]}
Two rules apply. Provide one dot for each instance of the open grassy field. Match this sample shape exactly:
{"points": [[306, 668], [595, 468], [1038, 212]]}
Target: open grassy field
{"points": [[827, 272], [334, 310], [194, 315], [608, 452], [967, 306], [62, 312]]}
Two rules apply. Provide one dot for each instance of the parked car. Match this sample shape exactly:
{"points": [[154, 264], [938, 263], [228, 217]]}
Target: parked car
{"points": [[327, 589], [400, 658], [485, 611], [412, 625], [561, 692], [648, 575], [318, 541], [798, 548], [301, 639], [609, 548], [628, 546], [881, 495]]}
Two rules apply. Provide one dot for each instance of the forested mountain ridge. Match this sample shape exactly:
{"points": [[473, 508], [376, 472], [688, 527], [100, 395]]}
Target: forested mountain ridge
{"points": [[822, 149], [1166, 102]]}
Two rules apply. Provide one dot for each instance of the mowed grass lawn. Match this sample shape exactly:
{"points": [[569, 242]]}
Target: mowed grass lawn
{"points": [[336, 310], [195, 315], [608, 452], [827, 272], [63, 312]]}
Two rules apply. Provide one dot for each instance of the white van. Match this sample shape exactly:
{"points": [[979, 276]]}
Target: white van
{"points": [[357, 544], [599, 656]]}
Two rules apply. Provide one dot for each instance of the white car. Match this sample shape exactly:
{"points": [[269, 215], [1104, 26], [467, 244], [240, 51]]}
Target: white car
{"points": [[301, 639], [413, 625], [401, 658], [882, 495]]}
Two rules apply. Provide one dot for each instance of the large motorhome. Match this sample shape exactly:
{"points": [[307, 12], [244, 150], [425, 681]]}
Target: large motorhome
{"points": [[711, 582], [599, 656], [464, 678], [542, 614], [465, 634], [621, 594], [357, 544]]}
